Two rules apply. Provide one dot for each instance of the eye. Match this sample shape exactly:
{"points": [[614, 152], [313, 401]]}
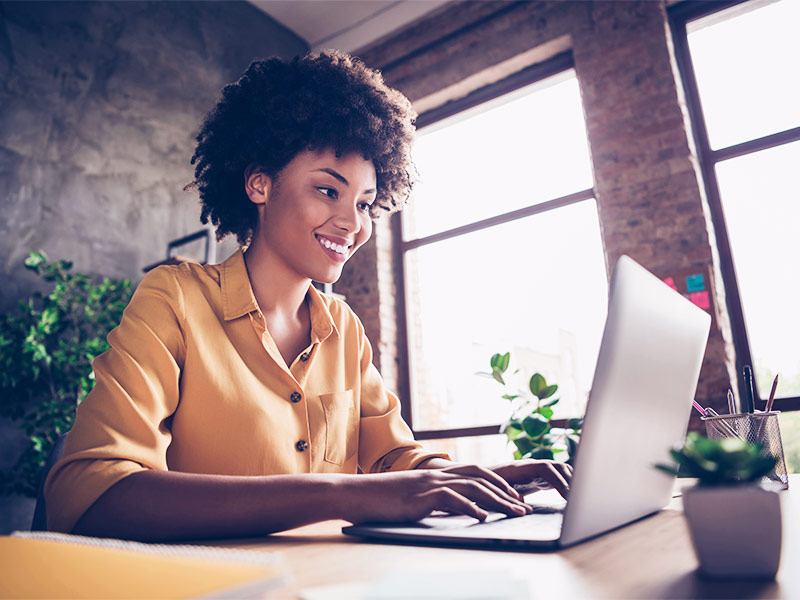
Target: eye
{"points": [[364, 206], [329, 192]]}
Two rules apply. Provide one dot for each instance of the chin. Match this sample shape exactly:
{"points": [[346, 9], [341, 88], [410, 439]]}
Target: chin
{"points": [[327, 277]]}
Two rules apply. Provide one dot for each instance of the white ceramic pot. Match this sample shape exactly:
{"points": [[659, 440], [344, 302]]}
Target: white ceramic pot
{"points": [[736, 530]]}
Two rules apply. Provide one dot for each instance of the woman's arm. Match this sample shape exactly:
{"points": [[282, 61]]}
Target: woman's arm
{"points": [[167, 505]]}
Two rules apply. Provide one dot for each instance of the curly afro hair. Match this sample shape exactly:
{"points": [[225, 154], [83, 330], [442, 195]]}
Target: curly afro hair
{"points": [[280, 108]]}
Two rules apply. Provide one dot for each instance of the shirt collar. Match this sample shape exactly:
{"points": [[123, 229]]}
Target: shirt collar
{"points": [[238, 298], [322, 323], [237, 293]]}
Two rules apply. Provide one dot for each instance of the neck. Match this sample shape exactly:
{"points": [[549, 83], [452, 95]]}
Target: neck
{"points": [[277, 290]]}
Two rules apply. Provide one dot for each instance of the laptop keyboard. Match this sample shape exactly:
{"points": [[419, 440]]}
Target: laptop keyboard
{"points": [[544, 522], [522, 526]]}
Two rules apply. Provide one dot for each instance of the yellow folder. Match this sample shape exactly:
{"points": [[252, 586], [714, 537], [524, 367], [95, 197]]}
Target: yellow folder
{"points": [[61, 566]]}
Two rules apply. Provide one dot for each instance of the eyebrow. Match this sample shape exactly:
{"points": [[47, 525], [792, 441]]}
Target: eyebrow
{"points": [[338, 176]]}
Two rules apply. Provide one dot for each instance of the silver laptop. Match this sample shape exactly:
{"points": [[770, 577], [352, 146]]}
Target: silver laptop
{"points": [[646, 376]]}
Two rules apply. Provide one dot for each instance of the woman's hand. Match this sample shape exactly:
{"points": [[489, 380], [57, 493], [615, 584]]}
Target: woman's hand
{"points": [[542, 473], [411, 495]]}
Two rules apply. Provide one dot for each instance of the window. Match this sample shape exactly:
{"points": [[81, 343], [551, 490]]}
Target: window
{"points": [[502, 252], [743, 91]]}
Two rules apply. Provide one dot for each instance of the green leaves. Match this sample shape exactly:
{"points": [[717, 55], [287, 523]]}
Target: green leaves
{"points": [[46, 349], [35, 260], [719, 462], [535, 425], [529, 429], [539, 387], [499, 364]]}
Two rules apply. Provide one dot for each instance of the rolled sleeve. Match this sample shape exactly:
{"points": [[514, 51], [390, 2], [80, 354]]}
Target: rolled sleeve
{"points": [[386, 442], [122, 426]]}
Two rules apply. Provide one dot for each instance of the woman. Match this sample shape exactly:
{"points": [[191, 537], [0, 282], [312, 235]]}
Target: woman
{"points": [[236, 400]]}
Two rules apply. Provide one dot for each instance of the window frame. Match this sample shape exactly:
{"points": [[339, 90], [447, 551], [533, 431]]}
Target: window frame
{"points": [[528, 76], [679, 16]]}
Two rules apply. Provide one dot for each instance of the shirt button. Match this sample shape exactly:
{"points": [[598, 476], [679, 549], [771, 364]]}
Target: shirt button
{"points": [[295, 397], [301, 446], [304, 356]]}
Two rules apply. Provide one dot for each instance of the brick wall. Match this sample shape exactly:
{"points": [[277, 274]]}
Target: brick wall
{"points": [[649, 194]]}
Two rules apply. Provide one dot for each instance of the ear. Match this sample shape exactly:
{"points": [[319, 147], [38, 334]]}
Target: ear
{"points": [[257, 184]]}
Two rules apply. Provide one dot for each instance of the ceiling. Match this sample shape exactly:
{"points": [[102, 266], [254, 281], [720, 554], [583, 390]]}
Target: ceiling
{"points": [[345, 24]]}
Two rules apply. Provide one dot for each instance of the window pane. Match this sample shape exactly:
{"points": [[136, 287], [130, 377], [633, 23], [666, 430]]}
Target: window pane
{"points": [[485, 162], [481, 450], [536, 287], [790, 440], [761, 200], [745, 60]]}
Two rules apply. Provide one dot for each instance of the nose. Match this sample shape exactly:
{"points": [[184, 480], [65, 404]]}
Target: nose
{"points": [[346, 217]]}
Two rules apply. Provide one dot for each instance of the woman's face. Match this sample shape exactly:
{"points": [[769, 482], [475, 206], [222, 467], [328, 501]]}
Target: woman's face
{"points": [[316, 213]]}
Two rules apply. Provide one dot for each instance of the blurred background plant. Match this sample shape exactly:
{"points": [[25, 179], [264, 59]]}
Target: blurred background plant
{"points": [[530, 427], [46, 350]]}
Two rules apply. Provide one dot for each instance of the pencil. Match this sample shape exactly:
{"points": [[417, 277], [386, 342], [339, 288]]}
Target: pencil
{"points": [[772, 394], [731, 402]]}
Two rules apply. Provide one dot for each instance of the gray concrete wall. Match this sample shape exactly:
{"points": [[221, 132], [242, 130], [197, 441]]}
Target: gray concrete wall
{"points": [[99, 106]]}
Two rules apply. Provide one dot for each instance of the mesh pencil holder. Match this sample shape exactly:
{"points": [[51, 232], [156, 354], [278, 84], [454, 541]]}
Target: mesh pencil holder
{"points": [[756, 428]]}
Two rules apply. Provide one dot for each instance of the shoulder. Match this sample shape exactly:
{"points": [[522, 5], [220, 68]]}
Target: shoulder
{"points": [[173, 284], [185, 276], [171, 278]]}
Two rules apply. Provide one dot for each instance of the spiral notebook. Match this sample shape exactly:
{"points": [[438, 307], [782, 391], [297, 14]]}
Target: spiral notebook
{"points": [[53, 565]]}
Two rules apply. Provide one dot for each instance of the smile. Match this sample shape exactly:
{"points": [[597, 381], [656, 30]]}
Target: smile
{"points": [[332, 246]]}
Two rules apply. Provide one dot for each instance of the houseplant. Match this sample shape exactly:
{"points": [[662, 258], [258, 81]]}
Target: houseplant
{"points": [[46, 350], [529, 427], [734, 521]]}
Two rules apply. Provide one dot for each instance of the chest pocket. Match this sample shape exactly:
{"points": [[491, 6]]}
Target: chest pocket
{"points": [[341, 426]]}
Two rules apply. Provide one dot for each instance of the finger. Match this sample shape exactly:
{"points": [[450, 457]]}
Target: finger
{"points": [[449, 500], [488, 475], [566, 470], [554, 477], [549, 473], [516, 500], [479, 492], [535, 485]]}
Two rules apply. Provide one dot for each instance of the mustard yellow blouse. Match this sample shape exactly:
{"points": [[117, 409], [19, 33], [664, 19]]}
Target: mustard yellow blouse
{"points": [[193, 382]]}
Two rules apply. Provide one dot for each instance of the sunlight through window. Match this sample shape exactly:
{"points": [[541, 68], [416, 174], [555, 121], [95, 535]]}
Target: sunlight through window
{"points": [[535, 286], [749, 86]]}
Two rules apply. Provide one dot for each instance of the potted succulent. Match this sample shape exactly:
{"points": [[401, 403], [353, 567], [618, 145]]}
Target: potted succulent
{"points": [[734, 520]]}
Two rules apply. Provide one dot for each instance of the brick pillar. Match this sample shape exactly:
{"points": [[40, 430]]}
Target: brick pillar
{"points": [[650, 198], [368, 284]]}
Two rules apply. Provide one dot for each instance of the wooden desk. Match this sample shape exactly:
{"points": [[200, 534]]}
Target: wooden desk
{"points": [[652, 558]]}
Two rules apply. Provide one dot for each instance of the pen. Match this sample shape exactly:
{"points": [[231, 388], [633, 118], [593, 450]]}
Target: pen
{"points": [[710, 412], [731, 402], [749, 402], [772, 394]]}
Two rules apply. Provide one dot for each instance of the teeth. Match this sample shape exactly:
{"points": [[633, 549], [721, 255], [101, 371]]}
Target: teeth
{"points": [[335, 247]]}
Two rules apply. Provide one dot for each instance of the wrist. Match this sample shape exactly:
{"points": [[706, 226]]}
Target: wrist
{"points": [[435, 462], [345, 496]]}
